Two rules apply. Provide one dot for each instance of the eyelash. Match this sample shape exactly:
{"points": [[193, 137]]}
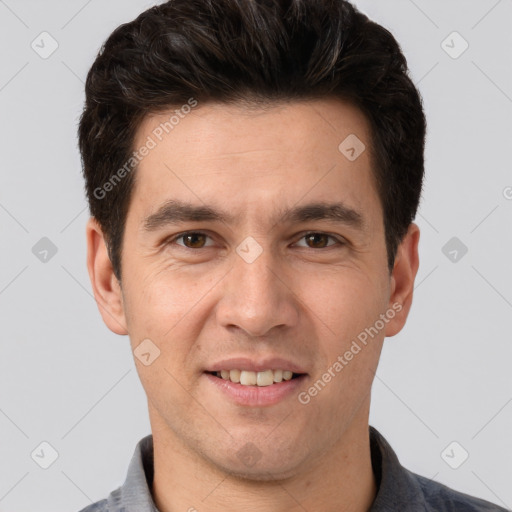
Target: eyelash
{"points": [[304, 235]]}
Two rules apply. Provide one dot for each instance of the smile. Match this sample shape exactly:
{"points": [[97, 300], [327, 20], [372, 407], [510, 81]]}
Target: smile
{"points": [[250, 378], [261, 389]]}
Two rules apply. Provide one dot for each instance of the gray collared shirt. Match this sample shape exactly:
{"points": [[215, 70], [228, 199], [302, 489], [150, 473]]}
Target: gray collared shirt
{"points": [[399, 490]]}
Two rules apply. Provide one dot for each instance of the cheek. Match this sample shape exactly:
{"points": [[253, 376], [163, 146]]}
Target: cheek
{"points": [[161, 295], [167, 307], [163, 312], [346, 303]]}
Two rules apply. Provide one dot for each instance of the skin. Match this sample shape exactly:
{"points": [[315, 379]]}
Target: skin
{"points": [[298, 300]]}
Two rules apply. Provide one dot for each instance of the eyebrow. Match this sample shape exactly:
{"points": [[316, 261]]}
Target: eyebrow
{"points": [[175, 212]]}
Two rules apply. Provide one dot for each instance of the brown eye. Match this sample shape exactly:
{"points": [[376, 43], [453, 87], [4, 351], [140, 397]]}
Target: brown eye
{"points": [[316, 240], [193, 240]]}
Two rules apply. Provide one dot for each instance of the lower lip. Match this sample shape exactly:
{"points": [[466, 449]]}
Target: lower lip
{"points": [[257, 395]]}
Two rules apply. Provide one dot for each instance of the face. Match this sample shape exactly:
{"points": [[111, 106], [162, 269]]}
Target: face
{"points": [[253, 242]]}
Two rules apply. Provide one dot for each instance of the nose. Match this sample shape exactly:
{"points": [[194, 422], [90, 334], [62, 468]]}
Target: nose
{"points": [[258, 297]]}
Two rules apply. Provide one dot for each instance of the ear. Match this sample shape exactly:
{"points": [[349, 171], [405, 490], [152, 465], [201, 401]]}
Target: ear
{"points": [[402, 280], [106, 287]]}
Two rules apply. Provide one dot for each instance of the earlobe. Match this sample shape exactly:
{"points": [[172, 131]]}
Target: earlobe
{"points": [[402, 280], [106, 287]]}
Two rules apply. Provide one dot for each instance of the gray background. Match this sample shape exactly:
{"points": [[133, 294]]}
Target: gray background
{"points": [[67, 380]]}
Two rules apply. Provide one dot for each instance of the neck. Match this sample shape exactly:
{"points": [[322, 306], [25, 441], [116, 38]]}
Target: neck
{"points": [[341, 480]]}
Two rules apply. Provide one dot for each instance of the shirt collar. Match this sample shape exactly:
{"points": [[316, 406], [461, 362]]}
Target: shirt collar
{"points": [[135, 494], [398, 488]]}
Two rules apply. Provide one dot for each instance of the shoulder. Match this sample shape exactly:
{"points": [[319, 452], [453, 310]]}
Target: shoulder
{"points": [[441, 498], [400, 489], [99, 506]]}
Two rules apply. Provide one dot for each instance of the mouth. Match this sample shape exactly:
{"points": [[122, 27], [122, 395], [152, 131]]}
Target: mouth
{"points": [[256, 379], [250, 388]]}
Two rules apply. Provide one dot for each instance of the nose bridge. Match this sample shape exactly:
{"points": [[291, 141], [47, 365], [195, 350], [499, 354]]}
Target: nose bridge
{"points": [[257, 279], [255, 297]]}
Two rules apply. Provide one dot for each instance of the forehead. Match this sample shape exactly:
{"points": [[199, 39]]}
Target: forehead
{"points": [[265, 159], [239, 127]]}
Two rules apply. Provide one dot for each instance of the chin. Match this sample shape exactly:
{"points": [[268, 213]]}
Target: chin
{"points": [[259, 474], [250, 464]]}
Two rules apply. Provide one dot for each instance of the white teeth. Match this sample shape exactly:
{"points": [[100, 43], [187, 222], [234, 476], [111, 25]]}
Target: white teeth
{"points": [[248, 378], [234, 375], [265, 378]]}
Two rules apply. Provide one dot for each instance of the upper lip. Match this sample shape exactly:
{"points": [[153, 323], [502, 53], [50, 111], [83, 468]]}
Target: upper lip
{"points": [[255, 365]]}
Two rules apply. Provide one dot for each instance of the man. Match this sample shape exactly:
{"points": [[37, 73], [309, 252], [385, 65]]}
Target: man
{"points": [[253, 169]]}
